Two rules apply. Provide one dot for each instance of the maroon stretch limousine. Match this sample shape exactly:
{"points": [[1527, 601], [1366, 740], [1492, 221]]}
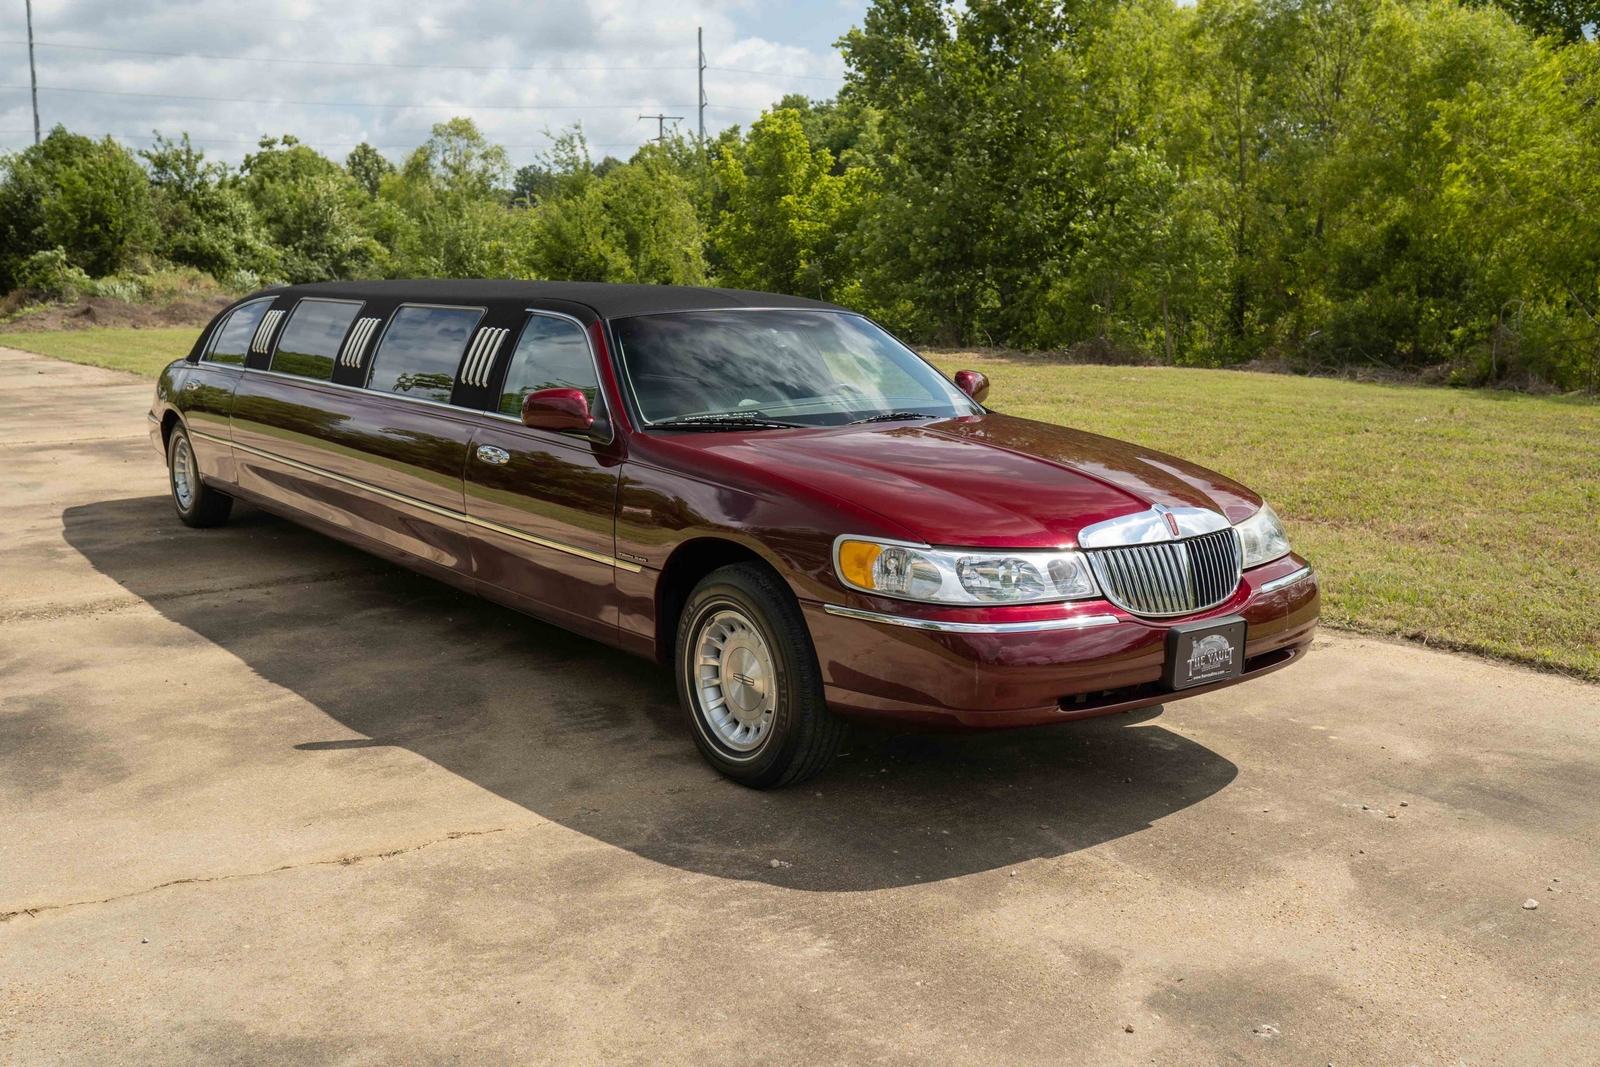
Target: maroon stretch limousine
{"points": [[772, 495]]}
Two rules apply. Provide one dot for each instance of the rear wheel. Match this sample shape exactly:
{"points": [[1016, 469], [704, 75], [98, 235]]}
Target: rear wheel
{"points": [[749, 680], [196, 503]]}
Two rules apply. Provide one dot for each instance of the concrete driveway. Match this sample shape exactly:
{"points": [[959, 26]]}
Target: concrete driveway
{"points": [[264, 800]]}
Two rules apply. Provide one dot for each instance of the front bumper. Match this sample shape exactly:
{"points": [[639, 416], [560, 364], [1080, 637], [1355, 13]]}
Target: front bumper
{"points": [[1023, 667]]}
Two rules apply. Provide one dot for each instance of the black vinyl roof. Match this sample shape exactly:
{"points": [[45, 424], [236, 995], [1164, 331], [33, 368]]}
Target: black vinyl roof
{"points": [[607, 300]]}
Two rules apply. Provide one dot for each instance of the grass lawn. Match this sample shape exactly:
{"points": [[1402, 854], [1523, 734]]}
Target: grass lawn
{"points": [[1463, 519], [142, 351]]}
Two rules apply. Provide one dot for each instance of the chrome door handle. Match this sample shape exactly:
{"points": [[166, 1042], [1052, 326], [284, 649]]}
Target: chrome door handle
{"points": [[490, 454]]}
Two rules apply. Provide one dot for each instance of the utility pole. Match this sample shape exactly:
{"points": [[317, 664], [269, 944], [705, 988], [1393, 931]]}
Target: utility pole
{"points": [[33, 74], [700, 37], [661, 126]]}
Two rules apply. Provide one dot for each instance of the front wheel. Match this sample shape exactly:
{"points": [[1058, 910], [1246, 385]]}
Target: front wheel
{"points": [[749, 680], [196, 503]]}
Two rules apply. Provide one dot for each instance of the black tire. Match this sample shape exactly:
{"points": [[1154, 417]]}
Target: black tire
{"points": [[788, 734], [196, 503]]}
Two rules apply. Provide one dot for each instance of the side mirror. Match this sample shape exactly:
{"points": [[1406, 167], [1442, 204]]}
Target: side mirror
{"points": [[557, 409], [974, 383]]}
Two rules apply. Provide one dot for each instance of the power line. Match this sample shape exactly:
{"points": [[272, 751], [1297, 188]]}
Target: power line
{"points": [[342, 103], [774, 74], [328, 62], [326, 144], [409, 66]]}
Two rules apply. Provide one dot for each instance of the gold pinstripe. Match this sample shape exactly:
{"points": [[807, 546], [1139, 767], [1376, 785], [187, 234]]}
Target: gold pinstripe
{"points": [[422, 505]]}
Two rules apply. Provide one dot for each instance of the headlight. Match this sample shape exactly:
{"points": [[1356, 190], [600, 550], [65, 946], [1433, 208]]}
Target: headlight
{"points": [[1262, 538], [962, 576]]}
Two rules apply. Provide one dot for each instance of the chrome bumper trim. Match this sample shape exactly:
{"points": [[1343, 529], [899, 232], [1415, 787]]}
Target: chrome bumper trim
{"points": [[1077, 622], [1288, 579]]}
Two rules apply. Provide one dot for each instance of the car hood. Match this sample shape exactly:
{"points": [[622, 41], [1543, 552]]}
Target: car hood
{"points": [[987, 480]]}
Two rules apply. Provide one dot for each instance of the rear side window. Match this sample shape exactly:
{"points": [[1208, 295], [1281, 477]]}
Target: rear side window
{"points": [[311, 340], [232, 342], [421, 350], [552, 353]]}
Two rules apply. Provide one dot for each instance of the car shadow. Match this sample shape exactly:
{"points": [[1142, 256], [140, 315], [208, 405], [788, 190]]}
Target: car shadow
{"points": [[594, 739]]}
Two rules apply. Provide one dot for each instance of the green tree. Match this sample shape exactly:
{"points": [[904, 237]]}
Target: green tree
{"points": [[1567, 20], [532, 184], [1148, 254], [978, 105], [635, 223], [202, 221], [457, 160], [311, 209], [847, 129], [788, 219], [1397, 283], [89, 198], [443, 214], [368, 167], [1138, 262], [1523, 201]]}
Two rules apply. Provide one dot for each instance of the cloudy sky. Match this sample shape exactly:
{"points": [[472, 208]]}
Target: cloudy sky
{"points": [[336, 72]]}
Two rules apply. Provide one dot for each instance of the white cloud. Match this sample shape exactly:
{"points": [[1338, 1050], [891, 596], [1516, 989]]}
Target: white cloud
{"points": [[601, 63]]}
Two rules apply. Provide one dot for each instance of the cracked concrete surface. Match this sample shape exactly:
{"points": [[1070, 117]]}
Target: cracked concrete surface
{"points": [[266, 800], [35, 910]]}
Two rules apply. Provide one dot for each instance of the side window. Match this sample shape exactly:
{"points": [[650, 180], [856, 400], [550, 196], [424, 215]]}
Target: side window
{"points": [[311, 340], [421, 350], [232, 342], [552, 353]]}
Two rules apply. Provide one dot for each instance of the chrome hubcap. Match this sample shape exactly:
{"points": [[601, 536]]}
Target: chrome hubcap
{"points": [[735, 682], [184, 475]]}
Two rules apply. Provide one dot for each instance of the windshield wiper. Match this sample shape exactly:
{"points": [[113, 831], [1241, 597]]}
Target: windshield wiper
{"points": [[724, 421], [892, 416]]}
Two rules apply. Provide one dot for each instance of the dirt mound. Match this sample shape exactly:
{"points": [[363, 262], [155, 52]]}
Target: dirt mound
{"points": [[98, 312]]}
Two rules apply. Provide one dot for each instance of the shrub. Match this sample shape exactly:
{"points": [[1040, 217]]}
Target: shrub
{"points": [[204, 221], [90, 199], [311, 210], [117, 288], [50, 273]]}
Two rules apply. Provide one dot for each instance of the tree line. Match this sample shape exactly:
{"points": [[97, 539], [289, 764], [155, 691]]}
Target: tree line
{"points": [[1400, 183]]}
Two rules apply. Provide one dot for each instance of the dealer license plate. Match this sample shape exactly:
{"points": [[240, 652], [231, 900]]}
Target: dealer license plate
{"points": [[1199, 653]]}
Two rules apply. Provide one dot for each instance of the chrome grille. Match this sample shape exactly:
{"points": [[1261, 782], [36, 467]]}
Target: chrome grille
{"points": [[1170, 577]]}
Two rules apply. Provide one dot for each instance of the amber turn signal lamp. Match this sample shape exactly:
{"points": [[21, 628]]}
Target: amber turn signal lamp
{"points": [[855, 562]]}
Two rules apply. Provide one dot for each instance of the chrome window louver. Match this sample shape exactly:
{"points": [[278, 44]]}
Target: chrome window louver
{"points": [[355, 346], [1170, 577], [263, 334], [480, 357]]}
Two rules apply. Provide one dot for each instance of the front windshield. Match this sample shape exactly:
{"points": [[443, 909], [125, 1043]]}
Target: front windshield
{"points": [[814, 368]]}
